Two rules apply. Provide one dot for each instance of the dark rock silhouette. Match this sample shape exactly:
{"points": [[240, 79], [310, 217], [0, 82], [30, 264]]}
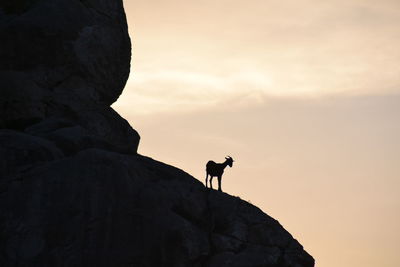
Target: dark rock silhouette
{"points": [[65, 59], [216, 170], [73, 190]]}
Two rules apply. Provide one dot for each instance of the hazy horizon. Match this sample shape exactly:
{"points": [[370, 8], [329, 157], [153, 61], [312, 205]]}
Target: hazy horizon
{"points": [[303, 95]]}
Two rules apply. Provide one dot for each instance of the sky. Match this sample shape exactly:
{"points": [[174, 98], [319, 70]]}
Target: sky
{"points": [[304, 95]]}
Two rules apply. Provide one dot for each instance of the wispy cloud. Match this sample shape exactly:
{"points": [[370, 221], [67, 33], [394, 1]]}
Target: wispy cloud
{"points": [[205, 53], [164, 90]]}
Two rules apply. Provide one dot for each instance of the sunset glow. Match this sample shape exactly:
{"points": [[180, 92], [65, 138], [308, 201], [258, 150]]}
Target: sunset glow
{"points": [[304, 95]]}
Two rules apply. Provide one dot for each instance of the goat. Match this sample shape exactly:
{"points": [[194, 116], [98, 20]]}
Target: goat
{"points": [[217, 169]]}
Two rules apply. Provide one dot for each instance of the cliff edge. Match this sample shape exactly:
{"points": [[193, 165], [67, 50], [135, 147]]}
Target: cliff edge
{"points": [[73, 190]]}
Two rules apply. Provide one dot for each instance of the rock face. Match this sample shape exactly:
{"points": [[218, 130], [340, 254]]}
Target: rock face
{"points": [[65, 58], [73, 190], [102, 208]]}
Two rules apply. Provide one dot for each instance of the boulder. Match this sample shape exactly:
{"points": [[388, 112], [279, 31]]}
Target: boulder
{"points": [[64, 56], [101, 208]]}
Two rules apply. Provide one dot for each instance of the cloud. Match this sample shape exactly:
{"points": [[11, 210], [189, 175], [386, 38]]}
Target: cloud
{"points": [[206, 53], [303, 94], [164, 90]]}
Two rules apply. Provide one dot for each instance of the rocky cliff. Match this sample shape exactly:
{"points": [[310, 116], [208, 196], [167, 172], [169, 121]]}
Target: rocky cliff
{"points": [[73, 190]]}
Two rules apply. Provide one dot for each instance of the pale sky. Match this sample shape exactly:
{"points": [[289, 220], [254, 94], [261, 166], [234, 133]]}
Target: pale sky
{"points": [[304, 95]]}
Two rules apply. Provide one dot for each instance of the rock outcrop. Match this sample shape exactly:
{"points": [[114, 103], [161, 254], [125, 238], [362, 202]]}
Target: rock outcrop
{"points": [[65, 59], [73, 190]]}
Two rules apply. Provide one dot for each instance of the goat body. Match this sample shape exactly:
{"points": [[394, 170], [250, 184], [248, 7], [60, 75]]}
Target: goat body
{"points": [[216, 170]]}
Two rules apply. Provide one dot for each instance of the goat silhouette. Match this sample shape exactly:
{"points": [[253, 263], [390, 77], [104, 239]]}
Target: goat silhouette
{"points": [[216, 170]]}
